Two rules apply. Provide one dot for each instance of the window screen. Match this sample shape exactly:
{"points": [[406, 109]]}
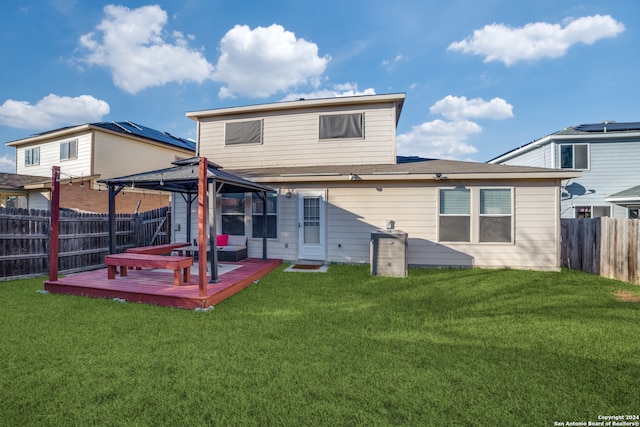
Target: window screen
{"points": [[455, 219], [342, 126], [495, 215], [249, 132], [272, 216]]}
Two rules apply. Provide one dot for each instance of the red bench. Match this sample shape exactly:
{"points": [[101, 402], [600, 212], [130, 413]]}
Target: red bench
{"points": [[175, 263], [157, 249]]}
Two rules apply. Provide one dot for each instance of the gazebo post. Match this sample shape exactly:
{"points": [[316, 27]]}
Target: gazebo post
{"points": [[54, 225], [263, 196], [113, 241], [213, 195], [202, 226]]}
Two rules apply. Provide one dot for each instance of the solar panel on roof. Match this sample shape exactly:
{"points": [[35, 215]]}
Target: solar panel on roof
{"points": [[610, 126]]}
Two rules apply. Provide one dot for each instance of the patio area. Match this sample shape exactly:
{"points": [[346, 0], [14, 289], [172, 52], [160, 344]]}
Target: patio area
{"points": [[156, 286]]}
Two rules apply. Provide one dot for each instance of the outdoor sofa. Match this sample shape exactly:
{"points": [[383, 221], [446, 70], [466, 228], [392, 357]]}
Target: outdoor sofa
{"points": [[231, 248]]}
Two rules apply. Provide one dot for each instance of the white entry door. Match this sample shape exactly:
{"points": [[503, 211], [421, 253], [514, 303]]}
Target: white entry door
{"points": [[312, 227]]}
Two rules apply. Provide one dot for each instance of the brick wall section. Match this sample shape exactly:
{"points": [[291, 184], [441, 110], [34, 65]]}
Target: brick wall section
{"points": [[76, 197]]}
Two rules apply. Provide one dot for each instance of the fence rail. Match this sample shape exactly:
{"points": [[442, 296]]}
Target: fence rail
{"points": [[83, 240], [605, 246]]}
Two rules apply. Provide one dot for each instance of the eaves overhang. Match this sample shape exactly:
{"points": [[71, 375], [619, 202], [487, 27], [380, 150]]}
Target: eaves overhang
{"points": [[559, 138], [396, 98], [411, 177]]}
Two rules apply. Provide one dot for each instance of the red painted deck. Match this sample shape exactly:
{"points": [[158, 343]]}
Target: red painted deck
{"points": [[156, 287]]}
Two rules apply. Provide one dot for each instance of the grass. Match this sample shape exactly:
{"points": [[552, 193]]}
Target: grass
{"points": [[441, 347]]}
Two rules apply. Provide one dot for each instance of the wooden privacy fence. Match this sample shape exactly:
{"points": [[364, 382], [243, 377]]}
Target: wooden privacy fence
{"points": [[84, 239], [605, 246]]}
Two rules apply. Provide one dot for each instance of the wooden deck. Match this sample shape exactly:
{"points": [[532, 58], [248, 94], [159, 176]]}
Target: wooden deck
{"points": [[156, 287]]}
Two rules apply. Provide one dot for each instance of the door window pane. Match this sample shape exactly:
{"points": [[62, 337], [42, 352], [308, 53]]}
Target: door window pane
{"points": [[311, 220]]}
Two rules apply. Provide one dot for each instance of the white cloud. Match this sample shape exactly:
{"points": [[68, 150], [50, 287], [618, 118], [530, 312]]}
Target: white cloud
{"points": [[339, 90], [439, 139], [454, 108], [498, 42], [264, 61], [133, 46], [448, 139], [7, 164], [389, 64], [52, 111]]}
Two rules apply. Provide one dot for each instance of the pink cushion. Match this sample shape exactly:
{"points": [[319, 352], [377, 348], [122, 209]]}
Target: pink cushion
{"points": [[222, 239]]}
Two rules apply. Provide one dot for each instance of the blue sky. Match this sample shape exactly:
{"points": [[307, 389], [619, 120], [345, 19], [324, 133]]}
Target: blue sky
{"points": [[481, 77]]}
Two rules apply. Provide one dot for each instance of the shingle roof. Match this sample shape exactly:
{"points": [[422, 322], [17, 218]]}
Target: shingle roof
{"points": [[628, 193], [14, 181], [415, 165]]}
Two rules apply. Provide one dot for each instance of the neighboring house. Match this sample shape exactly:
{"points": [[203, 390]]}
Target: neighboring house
{"points": [[606, 153], [93, 151], [14, 191], [337, 178]]}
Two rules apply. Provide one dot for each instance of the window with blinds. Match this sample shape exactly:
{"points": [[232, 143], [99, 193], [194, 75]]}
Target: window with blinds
{"points": [[495, 215], [455, 215]]}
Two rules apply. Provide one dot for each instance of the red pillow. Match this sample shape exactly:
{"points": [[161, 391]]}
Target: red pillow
{"points": [[222, 239]]}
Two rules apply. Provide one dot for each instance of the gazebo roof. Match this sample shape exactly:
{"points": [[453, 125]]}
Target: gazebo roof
{"points": [[183, 178]]}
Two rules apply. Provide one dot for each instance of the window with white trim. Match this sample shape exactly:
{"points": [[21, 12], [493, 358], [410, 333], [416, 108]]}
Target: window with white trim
{"points": [[32, 156], [69, 150], [592, 211], [245, 132], [232, 206], [455, 215], [334, 126], [574, 156], [257, 206], [495, 215]]}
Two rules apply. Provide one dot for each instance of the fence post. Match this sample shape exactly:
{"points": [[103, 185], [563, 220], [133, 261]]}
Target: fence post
{"points": [[54, 225]]}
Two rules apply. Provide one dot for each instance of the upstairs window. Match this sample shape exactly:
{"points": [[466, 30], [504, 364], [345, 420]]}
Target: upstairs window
{"points": [[455, 215], [342, 126], [32, 156], [247, 132], [69, 150], [495, 215], [574, 156]]}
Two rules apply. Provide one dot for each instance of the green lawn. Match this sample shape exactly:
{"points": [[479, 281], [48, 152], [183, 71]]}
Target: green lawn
{"points": [[441, 347]]}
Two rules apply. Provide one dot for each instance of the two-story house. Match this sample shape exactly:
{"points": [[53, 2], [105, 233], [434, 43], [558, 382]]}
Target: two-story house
{"points": [[337, 178], [606, 153], [93, 151]]}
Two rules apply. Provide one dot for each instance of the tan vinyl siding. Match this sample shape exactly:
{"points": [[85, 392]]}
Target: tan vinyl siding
{"points": [[116, 156], [354, 211], [292, 139]]}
